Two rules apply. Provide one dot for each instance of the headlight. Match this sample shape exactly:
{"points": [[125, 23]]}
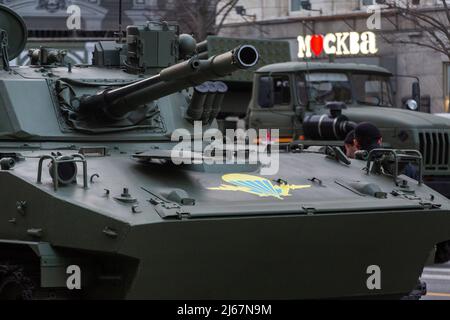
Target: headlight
{"points": [[412, 105]]}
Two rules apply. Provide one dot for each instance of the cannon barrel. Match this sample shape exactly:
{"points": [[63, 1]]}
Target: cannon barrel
{"points": [[117, 103], [202, 46], [202, 49]]}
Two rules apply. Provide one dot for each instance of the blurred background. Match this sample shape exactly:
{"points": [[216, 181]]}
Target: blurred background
{"points": [[407, 44]]}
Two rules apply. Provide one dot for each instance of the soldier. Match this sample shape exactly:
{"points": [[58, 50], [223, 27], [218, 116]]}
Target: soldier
{"points": [[349, 144], [367, 137]]}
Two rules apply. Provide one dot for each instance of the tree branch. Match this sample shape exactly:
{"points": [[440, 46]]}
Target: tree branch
{"points": [[417, 43], [225, 6], [408, 13], [232, 4], [200, 16], [447, 11], [437, 31]]}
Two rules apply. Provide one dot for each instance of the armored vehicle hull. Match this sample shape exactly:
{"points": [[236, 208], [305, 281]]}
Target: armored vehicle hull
{"points": [[97, 205], [317, 241]]}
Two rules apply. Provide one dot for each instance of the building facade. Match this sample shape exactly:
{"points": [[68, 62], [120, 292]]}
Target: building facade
{"points": [[47, 21], [287, 19], [101, 15], [96, 15]]}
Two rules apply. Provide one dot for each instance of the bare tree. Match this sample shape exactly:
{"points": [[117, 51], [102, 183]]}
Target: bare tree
{"points": [[198, 17], [433, 24]]}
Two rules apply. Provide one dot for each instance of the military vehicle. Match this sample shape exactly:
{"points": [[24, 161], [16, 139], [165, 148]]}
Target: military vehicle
{"points": [[431, 138], [94, 206], [293, 97]]}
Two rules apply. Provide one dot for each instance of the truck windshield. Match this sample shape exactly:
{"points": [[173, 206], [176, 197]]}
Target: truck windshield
{"points": [[326, 87], [372, 90], [367, 89]]}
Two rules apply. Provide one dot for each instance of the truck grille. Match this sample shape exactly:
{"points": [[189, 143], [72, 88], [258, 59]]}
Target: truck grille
{"points": [[435, 148]]}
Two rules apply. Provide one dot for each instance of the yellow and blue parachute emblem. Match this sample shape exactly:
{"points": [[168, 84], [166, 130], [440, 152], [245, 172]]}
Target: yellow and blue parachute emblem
{"points": [[257, 185]]}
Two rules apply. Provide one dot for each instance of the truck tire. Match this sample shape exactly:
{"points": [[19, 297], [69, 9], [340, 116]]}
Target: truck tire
{"points": [[443, 252], [418, 292], [14, 283]]}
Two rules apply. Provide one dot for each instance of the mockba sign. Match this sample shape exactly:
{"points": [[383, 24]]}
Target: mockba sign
{"points": [[339, 44]]}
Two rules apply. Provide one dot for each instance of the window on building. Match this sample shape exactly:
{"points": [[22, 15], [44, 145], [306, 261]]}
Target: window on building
{"points": [[296, 5], [447, 87], [367, 3]]}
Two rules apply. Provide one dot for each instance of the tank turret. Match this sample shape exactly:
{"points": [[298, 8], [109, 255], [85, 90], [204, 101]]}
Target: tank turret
{"points": [[153, 81], [117, 103]]}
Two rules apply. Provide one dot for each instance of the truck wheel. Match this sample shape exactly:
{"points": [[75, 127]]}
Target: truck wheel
{"points": [[14, 284], [418, 292]]}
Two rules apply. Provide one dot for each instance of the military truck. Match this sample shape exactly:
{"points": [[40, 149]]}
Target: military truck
{"points": [[242, 101], [293, 97], [95, 205]]}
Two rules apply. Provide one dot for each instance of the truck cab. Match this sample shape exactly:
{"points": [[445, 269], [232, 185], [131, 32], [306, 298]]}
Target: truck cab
{"points": [[285, 94]]}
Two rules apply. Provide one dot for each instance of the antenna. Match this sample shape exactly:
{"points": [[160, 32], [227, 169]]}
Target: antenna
{"points": [[4, 49], [120, 20]]}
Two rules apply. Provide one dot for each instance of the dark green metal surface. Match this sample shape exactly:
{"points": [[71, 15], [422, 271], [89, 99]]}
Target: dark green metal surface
{"points": [[271, 51], [141, 227]]}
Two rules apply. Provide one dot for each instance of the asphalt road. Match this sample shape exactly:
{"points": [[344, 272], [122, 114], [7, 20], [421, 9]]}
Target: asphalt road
{"points": [[437, 279]]}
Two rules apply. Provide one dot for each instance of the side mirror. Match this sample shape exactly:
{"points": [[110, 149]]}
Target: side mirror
{"points": [[299, 112], [415, 96], [265, 92]]}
